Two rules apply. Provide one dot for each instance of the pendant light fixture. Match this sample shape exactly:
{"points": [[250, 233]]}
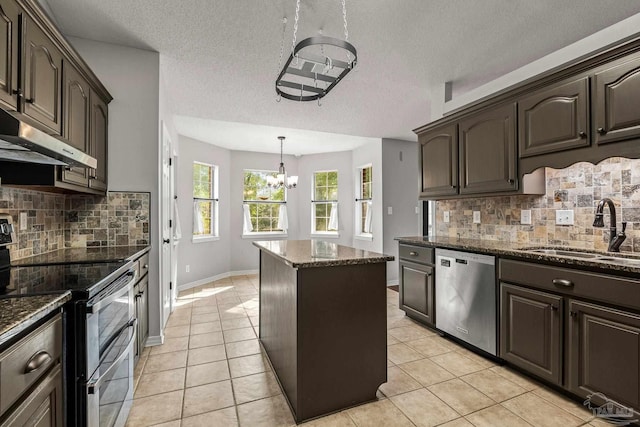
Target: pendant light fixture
{"points": [[282, 180], [316, 64]]}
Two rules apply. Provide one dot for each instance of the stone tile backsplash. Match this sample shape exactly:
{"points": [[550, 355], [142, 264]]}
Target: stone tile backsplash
{"points": [[579, 187], [55, 221], [119, 219]]}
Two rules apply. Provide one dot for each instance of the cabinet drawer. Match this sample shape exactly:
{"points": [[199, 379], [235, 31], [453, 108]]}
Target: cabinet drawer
{"points": [[600, 287], [417, 254], [143, 265], [24, 363]]}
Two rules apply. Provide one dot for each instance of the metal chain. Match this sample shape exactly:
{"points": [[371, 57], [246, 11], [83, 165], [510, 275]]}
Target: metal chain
{"points": [[346, 31], [344, 17], [284, 26], [295, 27]]}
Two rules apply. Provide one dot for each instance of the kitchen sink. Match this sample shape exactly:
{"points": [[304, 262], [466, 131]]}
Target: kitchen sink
{"points": [[619, 260], [595, 256], [573, 254]]}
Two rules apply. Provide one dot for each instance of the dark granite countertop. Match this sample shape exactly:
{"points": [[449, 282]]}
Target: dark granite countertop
{"points": [[19, 313], [84, 255], [319, 253], [519, 250]]}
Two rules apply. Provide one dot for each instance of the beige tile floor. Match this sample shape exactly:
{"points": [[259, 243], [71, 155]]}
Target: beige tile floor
{"points": [[210, 372]]}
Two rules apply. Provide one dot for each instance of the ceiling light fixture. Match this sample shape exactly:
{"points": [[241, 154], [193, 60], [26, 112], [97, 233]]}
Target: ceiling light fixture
{"points": [[282, 180], [313, 68]]}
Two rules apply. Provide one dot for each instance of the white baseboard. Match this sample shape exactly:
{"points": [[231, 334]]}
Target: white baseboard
{"points": [[154, 340], [392, 282], [216, 277]]}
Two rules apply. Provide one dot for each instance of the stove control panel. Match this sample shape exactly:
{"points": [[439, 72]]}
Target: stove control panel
{"points": [[6, 230]]}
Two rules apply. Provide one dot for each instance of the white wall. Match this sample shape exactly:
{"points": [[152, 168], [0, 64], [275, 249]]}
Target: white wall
{"points": [[342, 162], [370, 154], [132, 77], [400, 190], [244, 254], [212, 258]]}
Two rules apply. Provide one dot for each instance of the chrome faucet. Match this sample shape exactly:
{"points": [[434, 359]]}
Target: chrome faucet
{"points": [[615, 239]]}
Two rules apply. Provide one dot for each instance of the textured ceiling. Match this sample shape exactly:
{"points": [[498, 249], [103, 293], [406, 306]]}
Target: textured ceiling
{"points": [[219, 58]]}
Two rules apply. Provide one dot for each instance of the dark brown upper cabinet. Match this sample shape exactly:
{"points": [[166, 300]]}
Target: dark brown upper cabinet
{"points": [[554, 119], [439, 160], [617, 91], [531, 331], [9, 36], [76, 120], [488, 159], [99, 114], [42, 61], [604, 353]]}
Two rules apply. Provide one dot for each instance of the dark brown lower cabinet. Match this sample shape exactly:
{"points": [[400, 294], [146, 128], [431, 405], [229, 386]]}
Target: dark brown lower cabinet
{"points": [[604, 353], [417, 291], [531, 331], [43, 407]]}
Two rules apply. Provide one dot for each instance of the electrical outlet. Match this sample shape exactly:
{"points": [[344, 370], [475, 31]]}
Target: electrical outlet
{"points": [[23, 221], [389, 210], [445, 216], [525, 216], [564, 217], [476, 217], [188, 268], [417, 210]]}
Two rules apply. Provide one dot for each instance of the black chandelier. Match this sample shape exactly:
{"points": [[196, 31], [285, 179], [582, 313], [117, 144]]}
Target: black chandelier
{"points": [[313, 68]]}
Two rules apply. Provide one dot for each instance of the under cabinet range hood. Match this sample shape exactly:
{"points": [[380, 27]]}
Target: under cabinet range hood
{"points": [[21, 142]]}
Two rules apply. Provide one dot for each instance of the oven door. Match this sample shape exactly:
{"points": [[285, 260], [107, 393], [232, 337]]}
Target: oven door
{"points": [[107, 314], [110, 389]]}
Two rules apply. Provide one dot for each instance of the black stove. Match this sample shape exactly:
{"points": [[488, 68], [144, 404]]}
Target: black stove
{"points": [[83, 280]]}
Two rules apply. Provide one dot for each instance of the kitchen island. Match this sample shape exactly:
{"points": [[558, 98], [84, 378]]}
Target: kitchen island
{"points": [[323, 323]]}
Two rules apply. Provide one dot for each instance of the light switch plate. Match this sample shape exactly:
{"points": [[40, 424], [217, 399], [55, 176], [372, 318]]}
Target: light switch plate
{"points": [[476, 217], [417, 210], [445, 216], [525, 216], [564, 217], [389, 210]]}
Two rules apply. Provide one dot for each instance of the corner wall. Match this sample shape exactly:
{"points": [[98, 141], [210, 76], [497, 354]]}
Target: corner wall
{"points": [[400, 190]]}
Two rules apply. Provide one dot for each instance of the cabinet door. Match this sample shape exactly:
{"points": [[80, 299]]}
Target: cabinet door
{"points": [[554, 119], [98, 127], [439, 162], [42, 62], [531, 331], [417, 291], [76, 120], [43, 407], [604, 353], [488, 151], [9, 35], [616, 103], [144, 311]]}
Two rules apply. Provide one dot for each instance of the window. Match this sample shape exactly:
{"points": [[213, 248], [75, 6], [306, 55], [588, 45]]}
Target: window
{"points": [[363, 202], [205, 201], [264, 207], [324, 206]]}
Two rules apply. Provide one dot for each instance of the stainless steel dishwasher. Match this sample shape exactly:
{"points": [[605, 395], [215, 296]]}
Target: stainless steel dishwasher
{"points": [[466, 297]]}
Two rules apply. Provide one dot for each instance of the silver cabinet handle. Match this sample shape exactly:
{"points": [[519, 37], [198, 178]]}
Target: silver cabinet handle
{"points": [[145, 266], [37, 361], [563, 282], [412, 253]]}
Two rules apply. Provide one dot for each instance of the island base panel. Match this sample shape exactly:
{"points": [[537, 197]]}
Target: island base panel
{"points": [[324, 330]]}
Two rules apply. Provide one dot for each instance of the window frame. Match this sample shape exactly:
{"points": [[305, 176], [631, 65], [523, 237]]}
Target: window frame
{"points": [[214, 199], [359, 233], [259, 234], [314, 202]]}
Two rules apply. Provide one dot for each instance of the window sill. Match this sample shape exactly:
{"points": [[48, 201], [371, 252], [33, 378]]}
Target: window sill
{"points": [[204, 239], [325, 235], [264, 235], [366, 237]]}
